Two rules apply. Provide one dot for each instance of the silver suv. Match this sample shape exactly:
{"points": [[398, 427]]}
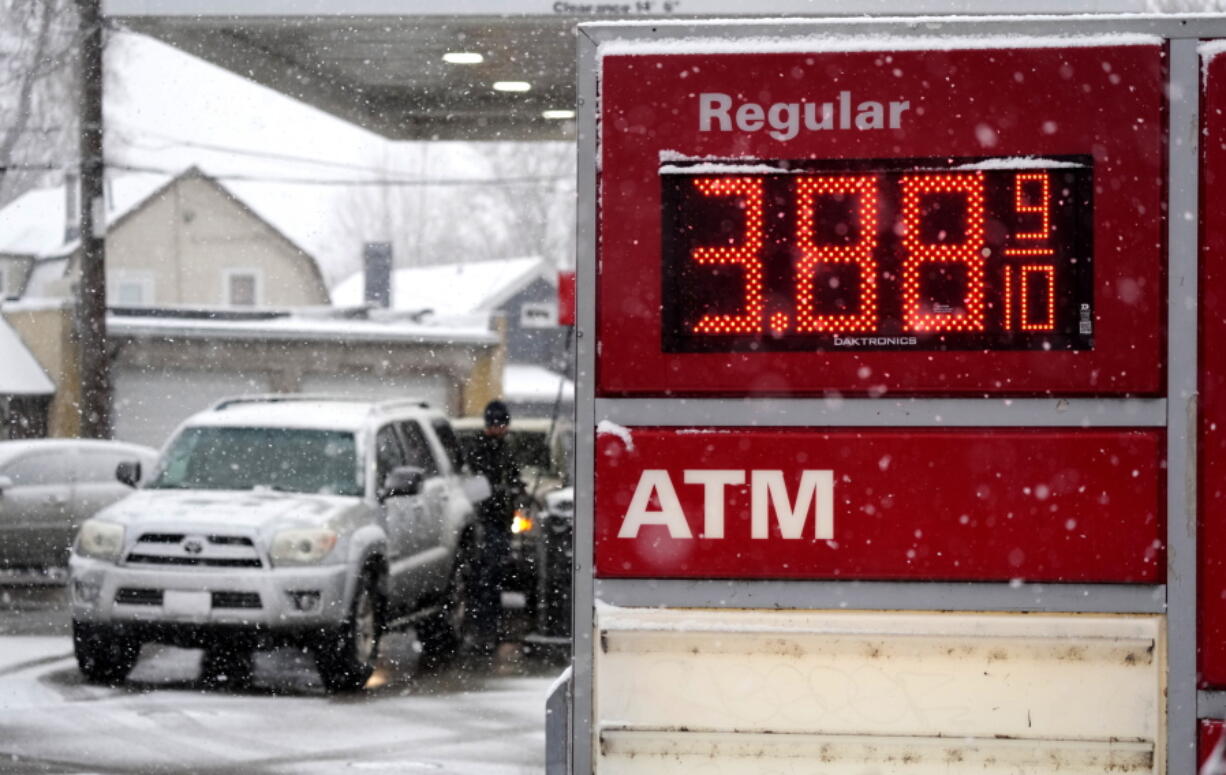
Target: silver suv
{"points": [[282, 519]]}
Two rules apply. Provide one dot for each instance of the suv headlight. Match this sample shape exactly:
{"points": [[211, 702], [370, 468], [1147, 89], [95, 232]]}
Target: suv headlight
{"points": [[100, 540], [301, 547]]}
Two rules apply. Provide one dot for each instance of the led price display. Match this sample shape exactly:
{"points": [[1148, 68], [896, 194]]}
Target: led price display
{"points": [[951, 254]]}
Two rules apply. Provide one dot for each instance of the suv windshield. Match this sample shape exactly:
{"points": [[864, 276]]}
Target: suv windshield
{"points": [[290, 459]]}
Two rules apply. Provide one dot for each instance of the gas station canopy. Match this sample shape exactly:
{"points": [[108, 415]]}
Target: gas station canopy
{"points": [[379, 63]]}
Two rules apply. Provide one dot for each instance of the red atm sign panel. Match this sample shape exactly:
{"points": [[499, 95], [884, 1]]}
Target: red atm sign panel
{"points": [[973, 505], [923, 222]]}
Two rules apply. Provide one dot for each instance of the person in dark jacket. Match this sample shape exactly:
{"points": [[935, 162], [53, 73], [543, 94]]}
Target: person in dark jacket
{"points": [[490, 455]]}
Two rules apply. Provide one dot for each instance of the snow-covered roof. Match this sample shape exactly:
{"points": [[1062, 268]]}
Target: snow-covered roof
{"points": [[45, 277], [21, 375], [452, 289], [33, 224], [302, 328], [524, 383]]}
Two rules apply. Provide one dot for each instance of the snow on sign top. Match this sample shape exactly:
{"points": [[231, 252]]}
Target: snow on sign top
{"points": [[734, 168], [818, 44]]}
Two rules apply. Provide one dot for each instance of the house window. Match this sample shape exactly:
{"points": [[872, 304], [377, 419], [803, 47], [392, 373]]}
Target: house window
{"points": [[130, 289], [129, 293], [242, 288]]}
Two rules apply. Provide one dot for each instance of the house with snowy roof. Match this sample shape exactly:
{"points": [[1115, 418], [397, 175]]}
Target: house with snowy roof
{"points": [[208, 299], [182, 240], [522, 291]]}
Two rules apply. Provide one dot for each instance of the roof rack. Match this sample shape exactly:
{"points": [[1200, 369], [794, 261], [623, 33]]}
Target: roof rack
{"points": [[288, 398], [396, 403]]}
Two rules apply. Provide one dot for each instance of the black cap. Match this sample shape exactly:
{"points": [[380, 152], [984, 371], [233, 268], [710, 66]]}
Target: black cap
{"points": [[496, 413]]}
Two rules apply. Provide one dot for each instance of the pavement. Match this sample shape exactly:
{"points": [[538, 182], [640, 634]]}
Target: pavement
{"points": [[478, 718]]}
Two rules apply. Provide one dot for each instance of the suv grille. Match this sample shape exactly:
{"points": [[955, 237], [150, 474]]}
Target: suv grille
{"points": [[219, 599], [138, 596], [185, 549], [236, 600]]}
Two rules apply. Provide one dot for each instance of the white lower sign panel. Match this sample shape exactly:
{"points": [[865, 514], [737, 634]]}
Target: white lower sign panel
{"points": [[780, 692]]}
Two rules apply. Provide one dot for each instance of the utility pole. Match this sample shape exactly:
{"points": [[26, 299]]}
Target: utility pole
{"points": [[91, 291]]}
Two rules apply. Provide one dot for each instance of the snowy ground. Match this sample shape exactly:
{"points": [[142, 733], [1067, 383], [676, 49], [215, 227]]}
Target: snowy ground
{"points": [[459, 719]]}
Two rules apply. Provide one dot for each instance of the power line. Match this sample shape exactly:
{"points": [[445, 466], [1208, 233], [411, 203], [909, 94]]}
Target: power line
{"points": [[391, 178], [529, 180], [31, 167], [250, 152], [391, 182], [173, 141]]}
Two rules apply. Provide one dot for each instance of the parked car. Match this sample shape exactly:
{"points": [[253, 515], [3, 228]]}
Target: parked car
{"points": [[554, 558], [48, 487], [282, 519]]}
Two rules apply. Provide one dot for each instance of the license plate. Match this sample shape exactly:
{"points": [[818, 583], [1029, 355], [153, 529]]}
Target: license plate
{"points": [[186, 604]]}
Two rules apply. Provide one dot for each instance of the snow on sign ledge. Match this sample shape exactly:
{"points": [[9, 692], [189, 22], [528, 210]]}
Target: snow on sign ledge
{"points": [[608, 427]]}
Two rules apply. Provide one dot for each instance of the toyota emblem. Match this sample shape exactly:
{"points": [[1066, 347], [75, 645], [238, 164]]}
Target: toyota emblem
{"points": [[193, 546]]}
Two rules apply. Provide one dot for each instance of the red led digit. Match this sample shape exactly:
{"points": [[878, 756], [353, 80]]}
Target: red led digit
{"points": [[1049, 321], [864, 189], [748, 254], [969, 252], [1029, 252], [1008, 323], [1042, 207]]}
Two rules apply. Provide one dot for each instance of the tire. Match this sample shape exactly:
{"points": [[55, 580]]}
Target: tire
{"points": [[103, 654], [346, 657], [450, 631], [227, 665]]}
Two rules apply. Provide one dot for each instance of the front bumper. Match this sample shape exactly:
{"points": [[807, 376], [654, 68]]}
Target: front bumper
{"points": [[144, 599]]}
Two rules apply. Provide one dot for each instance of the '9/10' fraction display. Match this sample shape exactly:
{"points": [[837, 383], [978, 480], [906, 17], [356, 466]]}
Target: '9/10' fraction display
{"points": [[988, 254]]}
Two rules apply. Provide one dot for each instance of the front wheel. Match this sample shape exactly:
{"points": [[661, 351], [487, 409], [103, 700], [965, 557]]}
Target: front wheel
{"points": [[103, 654], [346, 657], [451, 630]]}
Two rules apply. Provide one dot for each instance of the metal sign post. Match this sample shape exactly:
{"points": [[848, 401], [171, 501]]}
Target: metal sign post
{"points": [[887, 395]]}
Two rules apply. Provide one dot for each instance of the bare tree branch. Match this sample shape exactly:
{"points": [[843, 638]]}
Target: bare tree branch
{"points": [[37, 48]]}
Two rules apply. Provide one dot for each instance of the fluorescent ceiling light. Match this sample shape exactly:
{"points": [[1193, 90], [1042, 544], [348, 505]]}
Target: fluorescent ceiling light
{"points": [[558, 114], [512, 86], [463, 58]]}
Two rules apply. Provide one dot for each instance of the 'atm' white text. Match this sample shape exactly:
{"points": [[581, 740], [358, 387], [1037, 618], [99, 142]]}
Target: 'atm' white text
{"points": [[655, 502]]}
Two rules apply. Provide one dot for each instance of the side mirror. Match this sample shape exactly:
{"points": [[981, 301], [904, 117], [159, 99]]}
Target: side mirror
{"points": [[128, 472], [5, 484], [404, 480]]}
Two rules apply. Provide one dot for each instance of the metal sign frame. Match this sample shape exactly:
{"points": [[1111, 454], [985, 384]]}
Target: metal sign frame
{"points": [[1176, 413]]}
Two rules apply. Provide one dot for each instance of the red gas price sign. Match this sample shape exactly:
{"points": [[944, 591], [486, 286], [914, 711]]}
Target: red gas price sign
{"points": [[918, 222], [926, 254]]}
